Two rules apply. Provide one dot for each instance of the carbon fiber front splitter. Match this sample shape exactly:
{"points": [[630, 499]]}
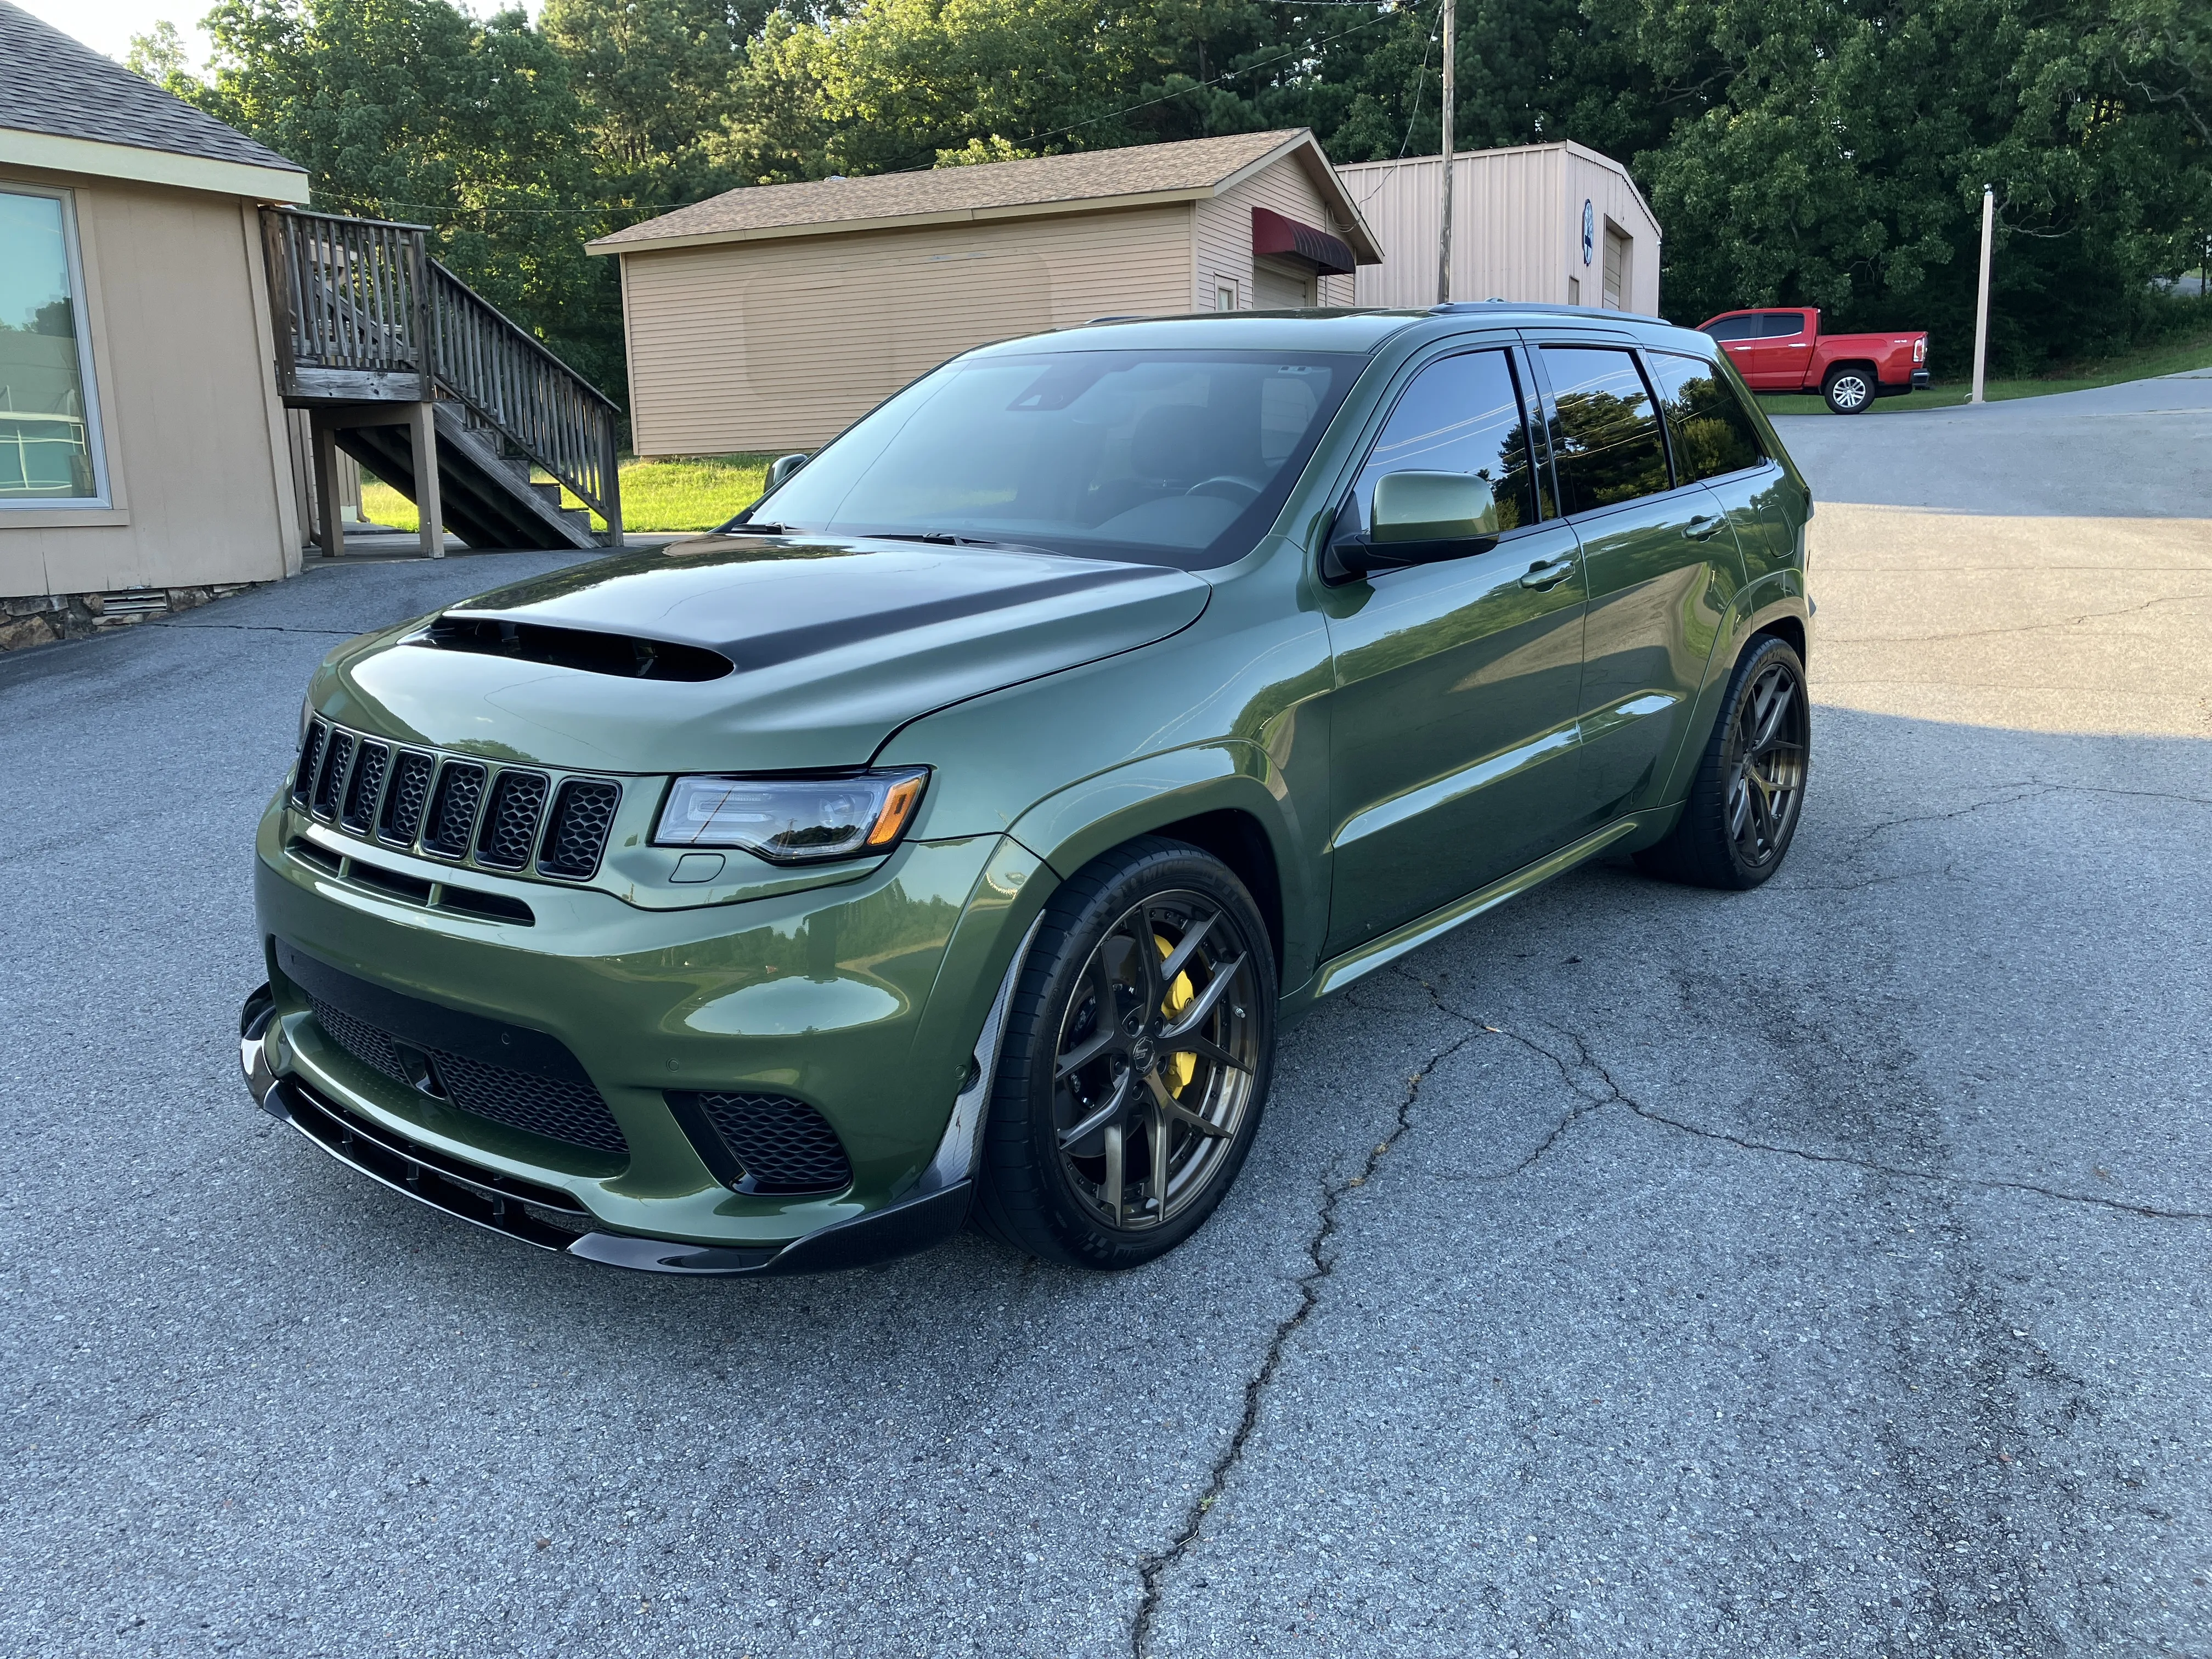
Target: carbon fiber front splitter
{"points": [[549, 1218]]}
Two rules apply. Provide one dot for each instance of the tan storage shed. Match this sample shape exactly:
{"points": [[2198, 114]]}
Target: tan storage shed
{"points": [[143, 446], [771, 318], [1553, 224]]}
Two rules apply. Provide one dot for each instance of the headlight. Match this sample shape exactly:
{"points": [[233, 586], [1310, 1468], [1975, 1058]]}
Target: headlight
{"points": [[793, 820]]}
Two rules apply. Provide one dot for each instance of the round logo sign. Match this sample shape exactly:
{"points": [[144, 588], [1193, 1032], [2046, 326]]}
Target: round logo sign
{"points": [[1590, 230]]}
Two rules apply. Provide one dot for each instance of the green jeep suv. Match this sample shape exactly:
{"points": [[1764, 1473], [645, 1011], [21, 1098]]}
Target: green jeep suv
{"points": [[948, 837]]}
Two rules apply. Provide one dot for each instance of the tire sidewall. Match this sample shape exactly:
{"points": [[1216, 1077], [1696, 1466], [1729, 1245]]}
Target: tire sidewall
{"points": [[1770, 651], [1088, 905]]}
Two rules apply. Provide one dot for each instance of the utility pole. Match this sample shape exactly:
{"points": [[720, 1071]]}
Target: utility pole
{"points": [[1451, 66], [1982, 299]]}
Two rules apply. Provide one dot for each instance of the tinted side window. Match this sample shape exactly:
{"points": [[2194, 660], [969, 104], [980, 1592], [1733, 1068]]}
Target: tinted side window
{"points": [[1711, 429], [1604, 434], [1734, 328], [1781, 324], [1460, 414]]}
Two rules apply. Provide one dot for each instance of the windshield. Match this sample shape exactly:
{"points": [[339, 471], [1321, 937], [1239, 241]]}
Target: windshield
{"points": [[1178, 457]]}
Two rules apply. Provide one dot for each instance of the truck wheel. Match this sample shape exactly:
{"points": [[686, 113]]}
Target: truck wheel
{"points": [[1849, 391], [1134, 1062], [1750, 788]]}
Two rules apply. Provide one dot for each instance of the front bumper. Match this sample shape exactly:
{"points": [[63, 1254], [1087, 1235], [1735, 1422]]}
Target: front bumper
{"points": [[871, 1000], [548, 1218]]}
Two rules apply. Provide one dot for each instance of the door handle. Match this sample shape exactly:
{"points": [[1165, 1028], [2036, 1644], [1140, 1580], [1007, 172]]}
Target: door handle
{"points": [[1702, 526], [1548, 575]]}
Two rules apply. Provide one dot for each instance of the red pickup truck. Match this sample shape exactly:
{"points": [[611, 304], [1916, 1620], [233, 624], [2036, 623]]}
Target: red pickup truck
{"points": [[1783, 350]]}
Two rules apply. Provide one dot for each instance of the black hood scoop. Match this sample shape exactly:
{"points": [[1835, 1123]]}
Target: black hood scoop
{"points": [[625, 656]]}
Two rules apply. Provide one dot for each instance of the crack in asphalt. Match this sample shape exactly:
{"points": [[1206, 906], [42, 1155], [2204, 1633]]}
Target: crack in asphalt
{"points": [[2140, 794], [2027, 789], [259, 628], [1573, 1072], [1615, 1095], [2025, 628], [1153, 1569]]}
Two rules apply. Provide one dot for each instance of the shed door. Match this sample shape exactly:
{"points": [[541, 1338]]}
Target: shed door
{"points": [[1616, 269], [1274, 289]]}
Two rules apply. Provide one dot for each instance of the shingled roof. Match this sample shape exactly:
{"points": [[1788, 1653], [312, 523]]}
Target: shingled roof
{"points": [[53, 84], [1086, 180]]}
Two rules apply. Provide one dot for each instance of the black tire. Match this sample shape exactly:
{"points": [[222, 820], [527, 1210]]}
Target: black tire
{"points": [[1850, 389], [1068, 1147], [1749, 790]]}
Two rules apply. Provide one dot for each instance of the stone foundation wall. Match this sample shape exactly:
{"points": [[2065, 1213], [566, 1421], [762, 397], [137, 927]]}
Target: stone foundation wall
{"points": [[42, 618]]}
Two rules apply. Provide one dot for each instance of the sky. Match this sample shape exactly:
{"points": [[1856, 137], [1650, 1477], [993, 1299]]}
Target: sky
{"points": [[107, 24]]}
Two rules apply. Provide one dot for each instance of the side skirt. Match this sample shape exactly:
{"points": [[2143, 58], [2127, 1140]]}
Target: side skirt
{"points": [[1338, 972]]}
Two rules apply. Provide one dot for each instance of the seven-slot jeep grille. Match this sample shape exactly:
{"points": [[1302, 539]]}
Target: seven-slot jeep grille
{"points": [[516, 820], [511, 825]]}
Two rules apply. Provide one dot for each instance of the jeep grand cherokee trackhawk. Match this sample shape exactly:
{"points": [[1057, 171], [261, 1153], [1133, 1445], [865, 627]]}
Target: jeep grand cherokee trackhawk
{"points": [[949, 835]]}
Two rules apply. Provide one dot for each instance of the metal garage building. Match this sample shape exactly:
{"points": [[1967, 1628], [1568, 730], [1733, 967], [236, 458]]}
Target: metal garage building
{"points": [[770, 318], [1556, 224]]}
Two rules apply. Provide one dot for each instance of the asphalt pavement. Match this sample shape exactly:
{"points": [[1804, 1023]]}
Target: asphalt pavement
{"points": [[1817, 1271]]}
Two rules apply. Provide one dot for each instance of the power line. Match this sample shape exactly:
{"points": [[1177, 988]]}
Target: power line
{"points": [[1414, 114]]}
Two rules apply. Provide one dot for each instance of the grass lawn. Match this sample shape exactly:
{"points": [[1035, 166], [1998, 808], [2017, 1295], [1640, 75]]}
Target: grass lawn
{"points": [[2192, 350], [696, 493]]}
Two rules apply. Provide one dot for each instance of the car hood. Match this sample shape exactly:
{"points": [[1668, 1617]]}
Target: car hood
{"points": [[836, 644]]}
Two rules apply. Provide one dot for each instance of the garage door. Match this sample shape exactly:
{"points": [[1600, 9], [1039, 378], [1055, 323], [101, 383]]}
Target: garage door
{"points": [[1274, 289]]}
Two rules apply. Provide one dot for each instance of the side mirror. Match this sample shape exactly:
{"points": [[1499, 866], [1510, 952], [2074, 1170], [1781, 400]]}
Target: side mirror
{"points": [[1432, 507], [1419, 518], [784, 466]]}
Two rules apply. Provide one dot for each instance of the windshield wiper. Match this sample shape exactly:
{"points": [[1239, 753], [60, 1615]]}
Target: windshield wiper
{"points": [[946, 538]]}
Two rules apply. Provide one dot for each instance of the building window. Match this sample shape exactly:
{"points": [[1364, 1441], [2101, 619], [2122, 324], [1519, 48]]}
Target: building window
{"points": [[49, 426], [1225, 294]]}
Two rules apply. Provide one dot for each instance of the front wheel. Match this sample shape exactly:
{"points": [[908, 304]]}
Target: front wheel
{"points": [[1849, 391], [1135, 1060], [1745, 801]]}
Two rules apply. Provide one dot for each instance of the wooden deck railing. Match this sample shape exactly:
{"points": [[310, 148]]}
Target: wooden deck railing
{"points": [[364, 313]]}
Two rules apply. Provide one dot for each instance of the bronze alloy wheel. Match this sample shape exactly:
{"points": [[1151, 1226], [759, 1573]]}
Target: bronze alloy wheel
{"points": [[1156, 1060], [1749, 788], [1133, 1065], [1768, 785]]}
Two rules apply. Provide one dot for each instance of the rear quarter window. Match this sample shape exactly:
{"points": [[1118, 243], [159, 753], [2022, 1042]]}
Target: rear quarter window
{"points": [[1712, 431], [1606, 445]]}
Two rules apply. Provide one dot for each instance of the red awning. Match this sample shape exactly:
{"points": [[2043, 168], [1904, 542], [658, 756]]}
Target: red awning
{"points": [[1279, 237]]}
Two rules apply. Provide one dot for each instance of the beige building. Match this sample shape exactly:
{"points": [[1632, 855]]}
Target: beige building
{"points": [[1552, 224], [770, 318], [142, 442]]}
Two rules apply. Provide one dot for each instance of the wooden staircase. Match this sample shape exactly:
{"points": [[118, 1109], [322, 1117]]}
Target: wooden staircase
{"points": [[406, 368]]}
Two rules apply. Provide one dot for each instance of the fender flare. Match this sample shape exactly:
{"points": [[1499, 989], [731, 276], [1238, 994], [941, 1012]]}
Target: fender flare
{"points": [[1074, 825], [1774, 596]]}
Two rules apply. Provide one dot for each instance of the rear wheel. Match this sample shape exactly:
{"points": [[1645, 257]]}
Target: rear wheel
{"points": [[1134, 1063], [1744, 803], [1849, 391]]}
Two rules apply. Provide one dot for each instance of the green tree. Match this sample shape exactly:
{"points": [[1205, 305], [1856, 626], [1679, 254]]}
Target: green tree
{"points": [[657, 81]]}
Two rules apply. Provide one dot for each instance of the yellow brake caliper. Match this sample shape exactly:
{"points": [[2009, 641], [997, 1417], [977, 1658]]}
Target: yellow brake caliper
{"points": [[1179, 1068]]}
